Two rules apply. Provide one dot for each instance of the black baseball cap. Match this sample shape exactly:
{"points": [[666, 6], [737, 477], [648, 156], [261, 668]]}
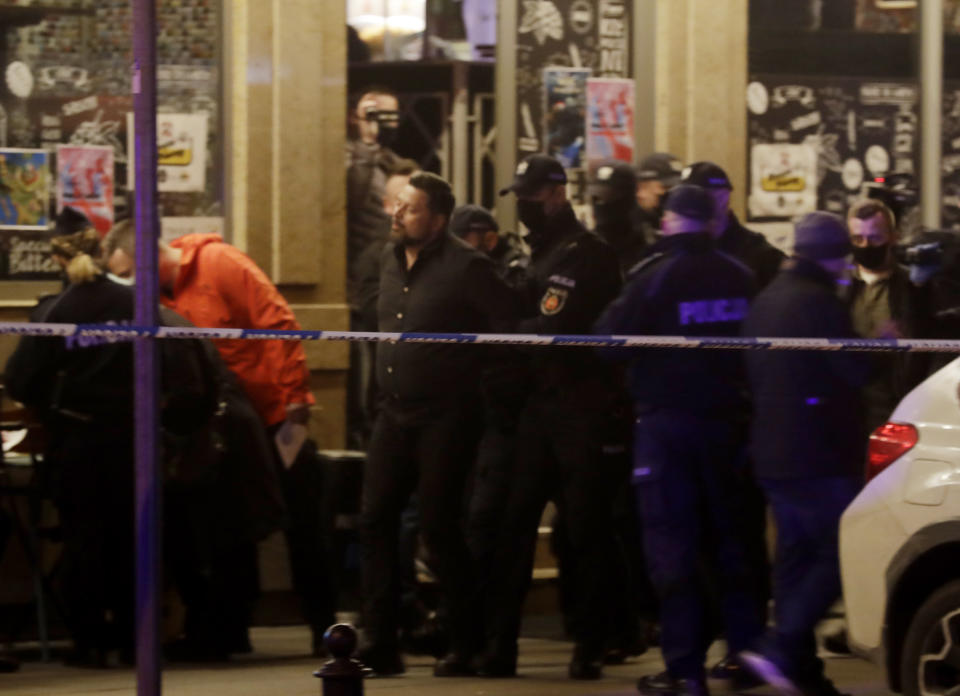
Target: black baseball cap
{"points": [[660, 166], [613, 181], [70, 220], [535, 172], [706, 175], [690, 201], [472, 218]]}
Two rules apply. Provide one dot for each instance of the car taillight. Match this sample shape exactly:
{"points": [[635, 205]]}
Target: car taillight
{"points": [[887, 443]]}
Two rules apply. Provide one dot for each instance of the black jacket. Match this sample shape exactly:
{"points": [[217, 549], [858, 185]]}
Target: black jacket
{"points": [[753, 249], [808, 412], [452, 288], [687, 288], [573, 275], [896, 374]]}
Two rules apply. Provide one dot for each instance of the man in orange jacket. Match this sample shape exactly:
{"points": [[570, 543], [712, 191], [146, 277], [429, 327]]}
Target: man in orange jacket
{"points": [[215, 285]]}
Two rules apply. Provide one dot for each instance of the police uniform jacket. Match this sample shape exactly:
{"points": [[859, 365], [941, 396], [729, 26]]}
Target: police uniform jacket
{"points": [[808, 413], [451, 288], [573, 275], [753, 249], [688, 288]]}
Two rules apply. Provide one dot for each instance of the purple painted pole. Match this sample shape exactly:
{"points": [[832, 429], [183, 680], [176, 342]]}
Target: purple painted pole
{"points": [[146, 369]]}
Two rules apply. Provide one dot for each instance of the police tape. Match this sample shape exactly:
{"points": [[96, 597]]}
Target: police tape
{"points": [[117, 332]]}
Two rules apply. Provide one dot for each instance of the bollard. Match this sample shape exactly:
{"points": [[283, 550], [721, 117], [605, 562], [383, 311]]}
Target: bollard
{"points": [[342, 676]]}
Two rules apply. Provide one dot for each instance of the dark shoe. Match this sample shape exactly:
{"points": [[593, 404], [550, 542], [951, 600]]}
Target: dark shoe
{"points": [[497, 667], [819, 687], [86, 658], [731, 671], [664, 685], [454, 665], [837, 642], [585, 664], [9, 664], [381, 662], [769, 672]]}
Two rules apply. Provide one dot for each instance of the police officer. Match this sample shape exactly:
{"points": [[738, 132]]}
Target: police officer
{"points": [[689, 410], [613, 197], [477, 227], [656, 174], [750, 247], [562, 439]]}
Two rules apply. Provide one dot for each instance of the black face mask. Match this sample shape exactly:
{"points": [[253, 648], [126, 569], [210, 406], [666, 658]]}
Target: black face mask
{"points": [[386, 135], [873, 258], [532, 215], [612, 216]]}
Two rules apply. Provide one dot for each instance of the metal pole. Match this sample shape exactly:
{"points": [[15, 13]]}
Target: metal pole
{"points": [[460, 121], [146, 371], [931, 111], [506, 109], [644, 76]]}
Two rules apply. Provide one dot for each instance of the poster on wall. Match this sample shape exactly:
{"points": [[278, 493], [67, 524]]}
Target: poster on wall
{"points": [[783, 180], [564, 126], [859, 131], [610, 121], [26, 255], [181, 152], [24, 189], [579, 34], [85, 183]]}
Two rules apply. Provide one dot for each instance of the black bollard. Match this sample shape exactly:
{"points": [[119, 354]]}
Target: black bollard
{"points": [[342, 676]]}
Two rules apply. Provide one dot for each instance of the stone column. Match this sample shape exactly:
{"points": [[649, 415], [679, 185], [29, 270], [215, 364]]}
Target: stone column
{"points": [[701, 81], [285, 105]]}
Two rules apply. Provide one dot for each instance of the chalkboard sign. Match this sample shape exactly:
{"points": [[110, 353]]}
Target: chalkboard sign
{"points": [[25, 255], [565, 34]]}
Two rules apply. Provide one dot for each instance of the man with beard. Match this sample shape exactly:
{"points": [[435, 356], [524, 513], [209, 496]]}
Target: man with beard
{"points": [[430, 418], [565, 448]]}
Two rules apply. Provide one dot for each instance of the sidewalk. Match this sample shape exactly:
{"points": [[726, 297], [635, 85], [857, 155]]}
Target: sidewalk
{"points": [[279, 668]]}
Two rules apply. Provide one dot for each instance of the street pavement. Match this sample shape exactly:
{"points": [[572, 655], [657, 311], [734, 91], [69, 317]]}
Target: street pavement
{"points": [[278, 667]]}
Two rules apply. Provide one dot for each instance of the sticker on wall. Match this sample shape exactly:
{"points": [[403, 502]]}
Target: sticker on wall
{"points": [[758, 99], [542, 19], [877, 160], [19, 79], [24, 189], [85, 183], [181, 152], [783, 180], [610, 123], [852, 174]]}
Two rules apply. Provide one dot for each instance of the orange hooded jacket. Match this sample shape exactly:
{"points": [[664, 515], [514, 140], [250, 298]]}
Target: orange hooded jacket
{"points": [[218, 286]]}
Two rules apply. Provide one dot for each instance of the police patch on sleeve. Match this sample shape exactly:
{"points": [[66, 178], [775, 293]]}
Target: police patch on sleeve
{"points": [[553, 301]]}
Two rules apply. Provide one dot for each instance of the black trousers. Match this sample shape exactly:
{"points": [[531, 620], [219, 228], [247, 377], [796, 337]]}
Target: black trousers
{"points": [[95, 500], [430, 450], [689, 499], [563, 454]]}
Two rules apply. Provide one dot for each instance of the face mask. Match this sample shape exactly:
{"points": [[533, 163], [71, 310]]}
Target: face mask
{"points": [[612, 215], [873, 258], [532, 215], [386, 135]]}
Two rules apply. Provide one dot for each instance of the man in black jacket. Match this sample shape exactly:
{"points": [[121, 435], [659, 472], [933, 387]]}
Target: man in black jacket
{"points": [[690, 411], [566, 450], [807, 445], [613, 196], [431, 416], [884, 303], [751, 248]]}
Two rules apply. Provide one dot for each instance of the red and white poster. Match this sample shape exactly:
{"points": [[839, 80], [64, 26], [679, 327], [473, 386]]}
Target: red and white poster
{"points": [[610, 120], [85, 182]]}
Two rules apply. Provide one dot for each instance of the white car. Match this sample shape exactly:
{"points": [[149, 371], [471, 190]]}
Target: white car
{"points": [[900, 543]]}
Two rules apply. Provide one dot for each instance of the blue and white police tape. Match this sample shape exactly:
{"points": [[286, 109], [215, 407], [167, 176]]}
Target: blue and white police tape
{"points": [[127, 332]]}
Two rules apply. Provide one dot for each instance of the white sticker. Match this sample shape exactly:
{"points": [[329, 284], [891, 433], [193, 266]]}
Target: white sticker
{"points": [[852, 174], [19, 79], [758, 99], [877, 160]]}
